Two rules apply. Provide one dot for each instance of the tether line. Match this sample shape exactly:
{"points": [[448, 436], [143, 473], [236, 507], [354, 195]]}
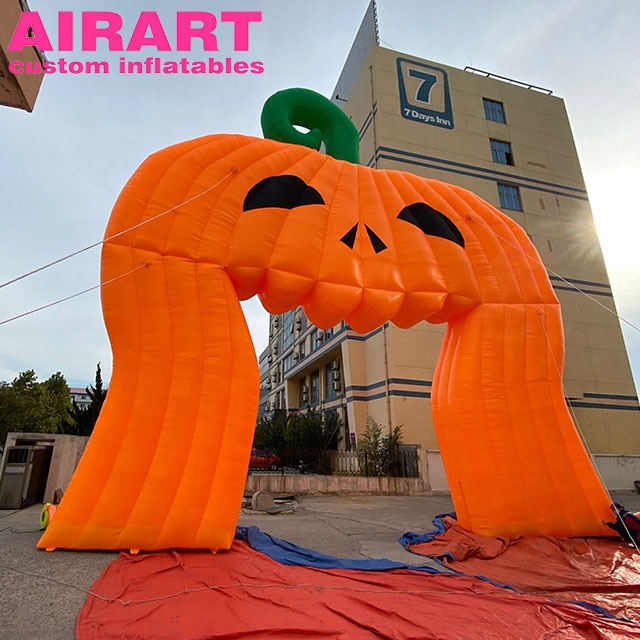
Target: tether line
{"points": [[75, 295], [115, 235]]}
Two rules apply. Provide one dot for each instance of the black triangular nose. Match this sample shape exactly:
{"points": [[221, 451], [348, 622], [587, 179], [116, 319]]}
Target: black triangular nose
{"points": [[349, 238], [376, 243]]}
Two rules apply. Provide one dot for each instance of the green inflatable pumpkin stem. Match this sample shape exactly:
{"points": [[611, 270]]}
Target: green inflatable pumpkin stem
{"points": [[326, 123]]}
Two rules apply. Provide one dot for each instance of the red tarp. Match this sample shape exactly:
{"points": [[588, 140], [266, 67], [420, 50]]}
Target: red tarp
{"points": [[245, 594], [600, 571]]}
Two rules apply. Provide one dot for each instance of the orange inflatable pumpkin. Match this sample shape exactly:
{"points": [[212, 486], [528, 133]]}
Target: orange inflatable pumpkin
{"points": [[226, 217]]}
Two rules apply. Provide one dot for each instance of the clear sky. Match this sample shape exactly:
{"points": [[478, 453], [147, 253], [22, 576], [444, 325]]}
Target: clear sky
{"points": [[64, 165]]}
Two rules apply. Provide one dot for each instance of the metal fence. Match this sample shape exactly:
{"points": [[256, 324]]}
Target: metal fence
{"points": [[402, 464]]}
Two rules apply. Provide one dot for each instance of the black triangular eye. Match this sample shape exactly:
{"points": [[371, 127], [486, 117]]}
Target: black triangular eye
{"points": [[431, 222], [284, 192]]}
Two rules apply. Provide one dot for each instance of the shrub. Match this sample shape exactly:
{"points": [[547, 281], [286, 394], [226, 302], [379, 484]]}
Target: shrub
{"points": [[378, 453]]}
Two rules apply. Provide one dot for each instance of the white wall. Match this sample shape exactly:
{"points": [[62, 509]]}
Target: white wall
{"points": [[617, 472]]}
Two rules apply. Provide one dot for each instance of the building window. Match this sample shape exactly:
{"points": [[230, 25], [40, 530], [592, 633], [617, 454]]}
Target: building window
{"points": [[501, 152], [509, 197], [315, 387], [494, 110], [287, 340], [333, 384], [314, 341], [303, 393], [288, 362]]}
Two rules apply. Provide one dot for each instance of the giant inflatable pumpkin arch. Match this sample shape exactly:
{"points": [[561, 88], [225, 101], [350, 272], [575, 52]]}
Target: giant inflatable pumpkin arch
{"points": [[222, 218]]}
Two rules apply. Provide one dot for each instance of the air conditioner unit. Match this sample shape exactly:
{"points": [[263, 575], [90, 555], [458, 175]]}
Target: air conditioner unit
{"points": [[335, 375], [305, 396], [296, 357], [305, 389], [320, 338], [268, 385], [335, 365], [298, 324], [336, 385], [275, 350], [274, 377], [269, 358]]}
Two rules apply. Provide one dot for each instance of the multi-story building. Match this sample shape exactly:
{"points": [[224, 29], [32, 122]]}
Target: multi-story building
{"points": [[80, 397], [510, 143], [19, 90]]}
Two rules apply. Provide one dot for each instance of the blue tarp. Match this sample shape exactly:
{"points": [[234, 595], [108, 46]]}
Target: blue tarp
{"points": [[288, 553]]}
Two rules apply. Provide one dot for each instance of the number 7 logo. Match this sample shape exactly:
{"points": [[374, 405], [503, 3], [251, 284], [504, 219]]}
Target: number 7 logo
{"points": [[424, 93], [424, 88]]}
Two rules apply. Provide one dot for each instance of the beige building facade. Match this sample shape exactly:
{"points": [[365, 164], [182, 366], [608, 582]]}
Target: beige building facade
{"points": [[510, 143]]}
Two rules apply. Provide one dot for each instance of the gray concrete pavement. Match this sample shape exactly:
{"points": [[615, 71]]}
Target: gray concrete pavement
{"points": [[41, 593], [353, 526]]}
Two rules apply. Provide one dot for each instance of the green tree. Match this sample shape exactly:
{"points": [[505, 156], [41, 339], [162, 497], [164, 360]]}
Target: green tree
{"points": [[332, 429], [379, 454], [305, 433], [299, 436], [56, 392], [270, 433], [29, 402], [83, 419], [78, 423], [27, 405], [10, 410]]}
